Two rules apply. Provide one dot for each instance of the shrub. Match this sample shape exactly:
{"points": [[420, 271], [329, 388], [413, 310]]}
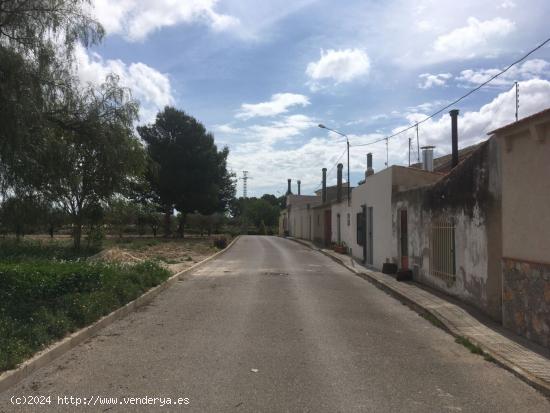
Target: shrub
{"points": [[41, 301], [220, 242]]}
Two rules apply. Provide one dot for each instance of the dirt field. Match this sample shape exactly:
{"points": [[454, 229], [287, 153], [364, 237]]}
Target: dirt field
{"points": [[174, 254]]}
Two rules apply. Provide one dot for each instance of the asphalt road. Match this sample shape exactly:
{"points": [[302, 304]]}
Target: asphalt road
{"points": [[274, 326]]}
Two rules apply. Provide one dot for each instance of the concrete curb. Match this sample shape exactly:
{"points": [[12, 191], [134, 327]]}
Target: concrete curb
{"points": [[446, 324], [40, 359]]}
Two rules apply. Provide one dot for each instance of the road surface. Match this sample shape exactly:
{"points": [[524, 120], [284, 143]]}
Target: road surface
{"points": [[274, 326]]}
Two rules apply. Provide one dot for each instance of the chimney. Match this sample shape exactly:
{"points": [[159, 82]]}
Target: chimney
{"points": [[324, 185], [339, 182], [370, 171], [428, 158], [289, 191], [454, 135], [299, 191]]}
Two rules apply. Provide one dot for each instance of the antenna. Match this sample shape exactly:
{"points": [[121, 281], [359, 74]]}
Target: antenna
{"points": [[417, 144], [245, 179], [387, 154], [409, 152]]}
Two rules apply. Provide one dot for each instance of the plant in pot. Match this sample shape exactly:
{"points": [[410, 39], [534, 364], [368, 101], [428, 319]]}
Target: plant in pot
{"points": [[340, 248]]}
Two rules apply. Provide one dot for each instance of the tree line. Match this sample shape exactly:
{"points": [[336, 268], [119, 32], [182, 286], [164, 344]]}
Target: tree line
{"points": [[72, 150], [71, 154]]}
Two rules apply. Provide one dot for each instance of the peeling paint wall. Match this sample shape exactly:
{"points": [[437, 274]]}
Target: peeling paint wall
{"points": [[470, 196]]}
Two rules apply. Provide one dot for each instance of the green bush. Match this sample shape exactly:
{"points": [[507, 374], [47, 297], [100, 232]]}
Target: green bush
{"points": [[25, 250], [42, 301]]}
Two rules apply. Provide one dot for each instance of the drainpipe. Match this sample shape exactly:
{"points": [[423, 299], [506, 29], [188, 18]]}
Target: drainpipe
{"points": [[454, 135]]}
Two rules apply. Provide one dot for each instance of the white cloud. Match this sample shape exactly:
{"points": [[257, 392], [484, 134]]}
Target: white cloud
{"points": [[507, 4], [476, 39], [279, 103], [150, 87], [339, 66], [530, 69], [271, 162], [473, 126], [136, 19], [429, 80]]}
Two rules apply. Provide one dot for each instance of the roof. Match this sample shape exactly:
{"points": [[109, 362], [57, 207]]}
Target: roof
{"points": [[522, 121], [444, 163]]}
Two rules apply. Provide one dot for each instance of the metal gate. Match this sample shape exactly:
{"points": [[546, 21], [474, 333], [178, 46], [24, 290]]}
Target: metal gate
{"points": [[442, 249]]}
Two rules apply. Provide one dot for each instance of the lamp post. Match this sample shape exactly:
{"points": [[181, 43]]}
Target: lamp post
{"points": [[347, 144]]}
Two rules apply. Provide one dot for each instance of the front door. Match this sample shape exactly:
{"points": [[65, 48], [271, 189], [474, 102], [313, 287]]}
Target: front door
{"points": [[328, 227]]}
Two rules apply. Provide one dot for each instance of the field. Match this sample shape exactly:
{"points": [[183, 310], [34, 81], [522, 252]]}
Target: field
{"points": [[48, 290]]}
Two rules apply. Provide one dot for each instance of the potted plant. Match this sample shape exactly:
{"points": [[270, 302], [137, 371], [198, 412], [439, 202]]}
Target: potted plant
{"points": [[340, 248]]}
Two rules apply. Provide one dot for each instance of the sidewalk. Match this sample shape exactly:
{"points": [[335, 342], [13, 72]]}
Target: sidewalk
{"points": [[527, 364]]}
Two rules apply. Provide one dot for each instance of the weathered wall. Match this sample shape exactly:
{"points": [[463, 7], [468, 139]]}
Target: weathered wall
{"points": [[526, 194], [300, 214], [525, 151], [470, 195], [376, 193], [526, 299], [343, 210]]}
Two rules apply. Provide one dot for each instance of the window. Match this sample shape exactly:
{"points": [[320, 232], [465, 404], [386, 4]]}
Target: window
{"points": [[349, 219], [360, 229], [442, 250]]}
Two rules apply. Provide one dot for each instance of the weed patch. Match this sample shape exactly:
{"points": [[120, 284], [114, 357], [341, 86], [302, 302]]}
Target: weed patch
{"points": [[42, 301]]}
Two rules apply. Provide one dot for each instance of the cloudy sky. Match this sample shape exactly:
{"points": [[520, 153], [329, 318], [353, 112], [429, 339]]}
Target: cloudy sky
{"points": [[262, 75]]}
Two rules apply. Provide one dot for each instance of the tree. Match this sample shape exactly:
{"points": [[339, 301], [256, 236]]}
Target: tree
{"points": [[121, 214], [187, 171], [21, 214], [92, 152], [34, 74]]}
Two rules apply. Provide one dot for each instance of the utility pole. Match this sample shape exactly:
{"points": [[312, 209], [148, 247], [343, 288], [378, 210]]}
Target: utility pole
{"points": [[387, 154], [245, 179], [409, 152], [417, 144], [517, 101]]}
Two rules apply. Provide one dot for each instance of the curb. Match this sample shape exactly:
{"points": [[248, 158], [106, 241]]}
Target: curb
{"points": [[446, 325], [43, 357]]}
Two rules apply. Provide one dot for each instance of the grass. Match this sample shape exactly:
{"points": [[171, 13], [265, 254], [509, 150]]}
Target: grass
{"points": [[31, 250], [475, 349], [48, 291], [433, 319]]}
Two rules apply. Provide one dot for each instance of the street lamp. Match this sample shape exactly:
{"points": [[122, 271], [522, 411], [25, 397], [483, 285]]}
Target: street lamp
{"points": [[347, 143]]}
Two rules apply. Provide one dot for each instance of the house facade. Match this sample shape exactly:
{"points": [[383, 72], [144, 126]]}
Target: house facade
{"points": [[525, 155], [449, 232]]}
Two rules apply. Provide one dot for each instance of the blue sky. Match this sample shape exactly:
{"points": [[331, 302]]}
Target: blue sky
{"points": [[262, 75]]}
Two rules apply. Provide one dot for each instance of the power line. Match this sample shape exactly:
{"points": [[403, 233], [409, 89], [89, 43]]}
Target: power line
{"points": [[415, 125]]}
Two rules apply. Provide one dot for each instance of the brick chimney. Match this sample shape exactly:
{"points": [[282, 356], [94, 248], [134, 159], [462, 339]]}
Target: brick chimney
{"points": [[289, 190], [454, 135], [369, 171], [339, 182], [299, 189]]}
